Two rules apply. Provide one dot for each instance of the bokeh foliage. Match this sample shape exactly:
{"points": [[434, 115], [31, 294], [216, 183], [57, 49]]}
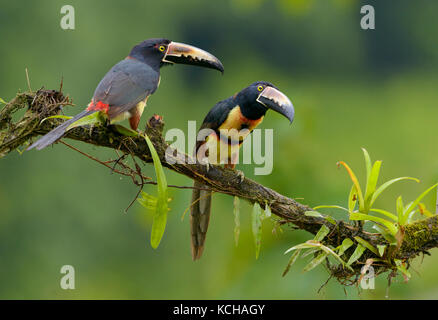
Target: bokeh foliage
{"points": [[351, 88]]}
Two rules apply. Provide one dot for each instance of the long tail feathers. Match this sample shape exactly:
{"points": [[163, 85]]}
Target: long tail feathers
{"points": [[58, 132], [199, 218]]}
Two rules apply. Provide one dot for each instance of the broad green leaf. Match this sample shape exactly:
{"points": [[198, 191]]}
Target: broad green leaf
{"points": [[417, 201], [236, 212], [322, 232], [372, 183], [356, 183], [316, 261], [360, 217], [347, 243], [367, 245], [384, 186], [3, 101], [356, 254], [386, 213], [381, 248], [292, 260], [352, 198], [367, 163], [257, 227], [160, 216], [158, 227], [56, 117], [91, 119]]}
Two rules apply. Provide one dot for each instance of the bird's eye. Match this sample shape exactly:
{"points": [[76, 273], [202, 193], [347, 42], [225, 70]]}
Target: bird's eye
{"points": [[162, 48], [260, 88]]}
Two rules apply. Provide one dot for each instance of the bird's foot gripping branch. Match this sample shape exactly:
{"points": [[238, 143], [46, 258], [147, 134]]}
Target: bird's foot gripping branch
{"points": [[343, 245]]}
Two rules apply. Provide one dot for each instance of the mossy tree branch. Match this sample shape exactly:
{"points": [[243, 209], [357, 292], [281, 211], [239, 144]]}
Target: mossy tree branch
{"points": [[419, 236]]}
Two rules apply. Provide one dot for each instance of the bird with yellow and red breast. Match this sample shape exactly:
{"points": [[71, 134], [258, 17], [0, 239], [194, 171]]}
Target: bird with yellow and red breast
{"points": [[125, 89], [220, 137]]}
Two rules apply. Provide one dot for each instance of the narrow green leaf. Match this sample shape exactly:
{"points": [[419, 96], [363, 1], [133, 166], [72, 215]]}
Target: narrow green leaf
{"points": [[267, 212], [315, 244], [330, 219], [384, 186], [334, 254], [148, 201], [316, 261], [372, 183], [386, 213], [352, 198], [322, 232], [313, 214], [125, 131], [331, 207], [417, 201], [91, 119], [424, 211], [367, 245], [292, 260], [347, 243], [388, 236], [381, 249], [59, 116], [257, 227], [360, 217], [402, 269], [306, 245], [309, 252], [160, 217], [3, 101], [236, 212], [400, 211], [356, 254], [367, 163], [356, 183]]}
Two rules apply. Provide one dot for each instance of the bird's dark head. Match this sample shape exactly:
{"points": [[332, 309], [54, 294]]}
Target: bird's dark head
{"points": [[159, 52], [260, 96]]}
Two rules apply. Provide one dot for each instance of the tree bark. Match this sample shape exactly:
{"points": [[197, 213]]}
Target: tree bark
{"points": [[419, 236]]}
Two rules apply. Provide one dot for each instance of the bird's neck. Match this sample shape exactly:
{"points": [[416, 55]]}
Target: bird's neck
{"points": [[252, 111], [153, 63]]}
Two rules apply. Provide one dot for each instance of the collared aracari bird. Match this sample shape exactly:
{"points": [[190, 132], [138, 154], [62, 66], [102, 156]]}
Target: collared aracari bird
{"points": [[243, 112], [125, 89]]}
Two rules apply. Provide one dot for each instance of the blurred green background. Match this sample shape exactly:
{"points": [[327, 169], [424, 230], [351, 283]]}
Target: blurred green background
{"points": [[351, 88]]}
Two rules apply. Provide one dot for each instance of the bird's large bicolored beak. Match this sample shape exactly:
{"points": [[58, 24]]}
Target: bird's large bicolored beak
{"points": [[187, 54], [277, 101]]}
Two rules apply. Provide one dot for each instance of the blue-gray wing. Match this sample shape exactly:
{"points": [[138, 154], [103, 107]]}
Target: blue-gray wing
{"points": [[125, 85]]}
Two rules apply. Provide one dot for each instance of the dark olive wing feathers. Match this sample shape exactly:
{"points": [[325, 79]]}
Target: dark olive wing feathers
{"points": [[216, 116]]}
